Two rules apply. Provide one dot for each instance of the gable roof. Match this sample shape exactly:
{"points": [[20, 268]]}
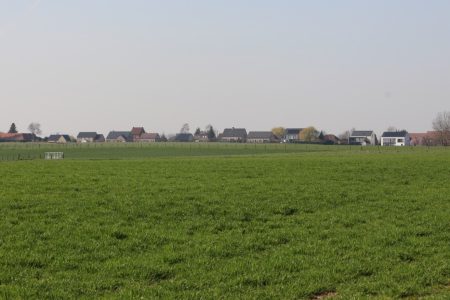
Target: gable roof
{"points": [[17, 137], [395, 133], [114, 135], [235, 133], [87, 135], [56, 137], [260, 135], [428, 134], [293, 130], [361, 133], [7, 135], [184, 137], [137, 130], [330, 137], [149, 136]]}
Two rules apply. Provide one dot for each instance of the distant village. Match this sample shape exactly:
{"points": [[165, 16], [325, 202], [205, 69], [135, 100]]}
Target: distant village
{"points": [[308, 135]]}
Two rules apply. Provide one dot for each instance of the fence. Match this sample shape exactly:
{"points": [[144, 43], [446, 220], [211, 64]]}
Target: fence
{"points": [[54, 155], [30, 151], [20, 156]]}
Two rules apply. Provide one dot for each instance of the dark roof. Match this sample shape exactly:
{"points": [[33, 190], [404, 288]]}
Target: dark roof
{"points": [[260, 135], [87, 135], [363, 133], [137, 130], [293, 130], [394, 134], [114, 135], [100, 137], [235, 133], [184, 137], [28, 136], [56, 137]]}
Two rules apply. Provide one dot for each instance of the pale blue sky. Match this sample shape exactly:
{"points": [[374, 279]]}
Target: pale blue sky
{"points": [[102, 65]]}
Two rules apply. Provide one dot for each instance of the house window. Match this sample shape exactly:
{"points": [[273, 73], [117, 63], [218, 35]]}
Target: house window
{"points": [[389, 141]]}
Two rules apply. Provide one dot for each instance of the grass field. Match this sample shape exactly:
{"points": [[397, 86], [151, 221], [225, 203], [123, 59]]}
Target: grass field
{"points": [[26, 151], [231, 223]]}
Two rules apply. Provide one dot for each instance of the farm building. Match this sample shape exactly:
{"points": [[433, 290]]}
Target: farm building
{"points": [[429, 138], [331, 139], [395, 138], [184, 137], [119, 137], [201, 137], [17, 137], [362, 137], [149, 138], [235, 135], [60, 139], [292, 134], [136, 133], [90, 137], [262, 137]]}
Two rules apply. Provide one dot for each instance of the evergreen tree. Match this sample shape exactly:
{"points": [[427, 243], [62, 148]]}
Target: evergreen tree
{"points": [[211, 133], [13, 128], [321, 136], [197, 131]]}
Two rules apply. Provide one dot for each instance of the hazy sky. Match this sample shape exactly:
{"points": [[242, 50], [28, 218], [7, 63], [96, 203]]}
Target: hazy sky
{"points": [[98, 65]]}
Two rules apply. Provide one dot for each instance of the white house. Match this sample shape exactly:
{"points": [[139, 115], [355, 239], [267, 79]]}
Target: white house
{"points": [[292, 134], [90, 137], [262, 137], [362, 137], [395, 138]]}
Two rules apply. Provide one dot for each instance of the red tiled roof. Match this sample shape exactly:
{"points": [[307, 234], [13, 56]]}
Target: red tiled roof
{"points": [[137, 130], [17, 137], [8, 135], [428, 134]]}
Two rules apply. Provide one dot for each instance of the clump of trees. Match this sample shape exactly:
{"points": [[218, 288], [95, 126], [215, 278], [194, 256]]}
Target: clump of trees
{"points": [[34, 128], [441, 124], [309, 134], [278, 131], [209, 132]]}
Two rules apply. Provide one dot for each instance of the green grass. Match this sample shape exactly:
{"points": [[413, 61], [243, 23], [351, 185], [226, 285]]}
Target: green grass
{"points": [[145, 150], [18, 151], [296, 225]]}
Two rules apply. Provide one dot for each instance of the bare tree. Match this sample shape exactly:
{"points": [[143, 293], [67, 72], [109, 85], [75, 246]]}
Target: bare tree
{"points": [[343, 137], [391, 129], [441, 124], [35, 128], [185, 128]]}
